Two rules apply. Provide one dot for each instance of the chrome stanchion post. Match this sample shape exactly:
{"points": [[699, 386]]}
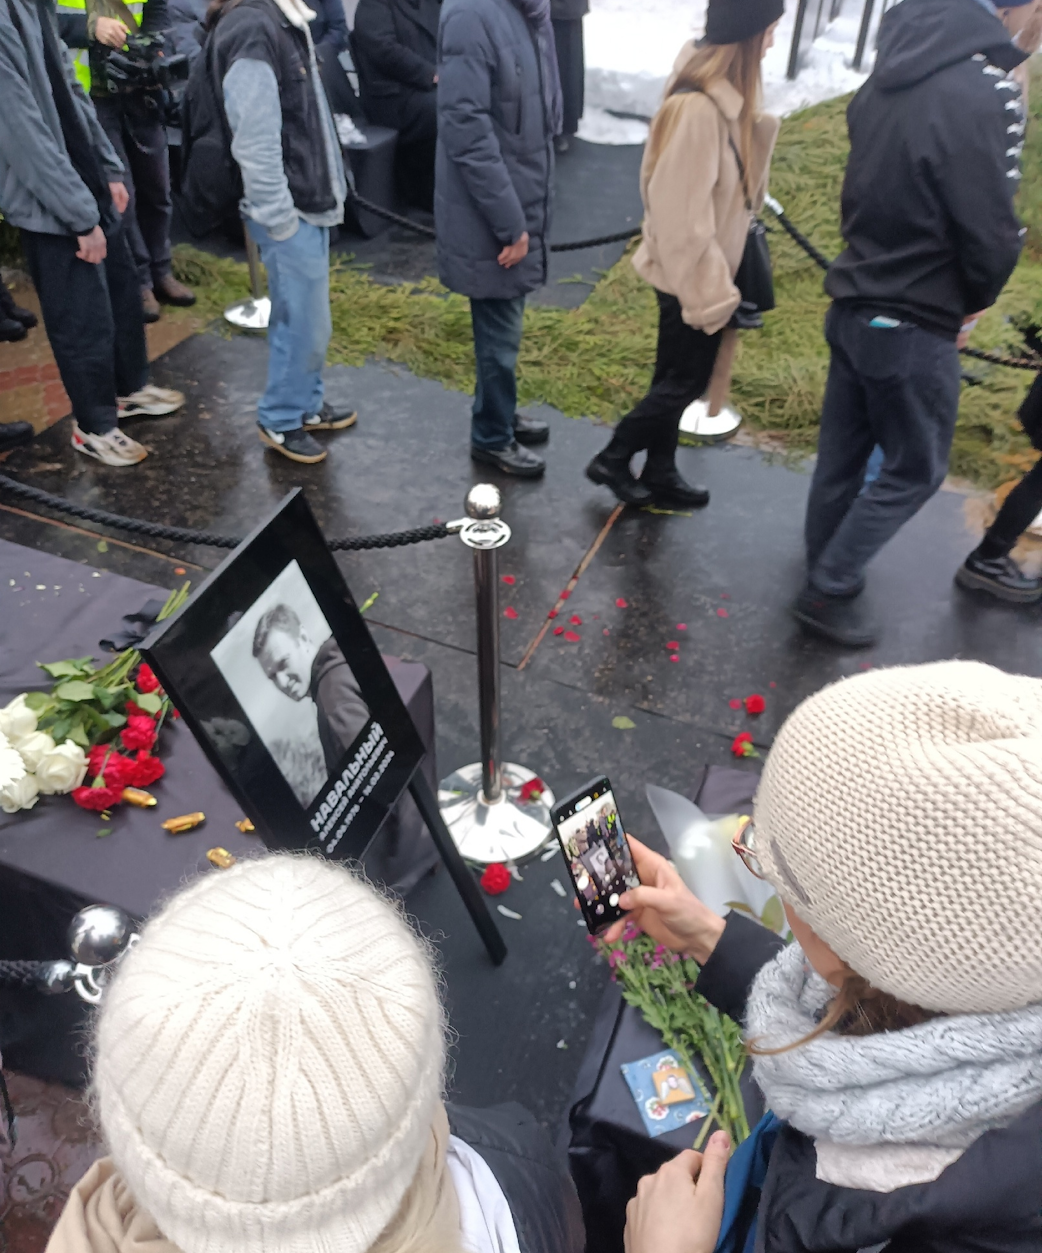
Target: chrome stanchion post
{"points": [[491, 808], [252, 314]]}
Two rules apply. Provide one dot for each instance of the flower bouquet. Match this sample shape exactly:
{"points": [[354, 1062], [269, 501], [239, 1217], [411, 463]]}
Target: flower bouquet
{"points": [[97, 723], [661, 985]]}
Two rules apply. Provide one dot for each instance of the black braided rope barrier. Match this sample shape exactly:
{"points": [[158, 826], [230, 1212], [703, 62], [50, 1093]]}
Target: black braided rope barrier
{"points": [[980, 354], [21, 974], [389, 216], [185, 535]]}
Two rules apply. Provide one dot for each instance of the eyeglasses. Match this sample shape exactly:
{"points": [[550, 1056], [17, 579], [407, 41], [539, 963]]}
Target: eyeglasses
{"points": [[744, 844]]}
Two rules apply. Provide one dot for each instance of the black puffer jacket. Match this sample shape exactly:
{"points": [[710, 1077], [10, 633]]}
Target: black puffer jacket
{"points": [[534, 1180], [989, 1201], [935, 140], [396, 47]]}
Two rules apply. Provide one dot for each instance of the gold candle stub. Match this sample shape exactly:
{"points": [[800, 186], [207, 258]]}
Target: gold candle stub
{"points": [[139, 797], [220, 857], [184, 823], [245, 826]]}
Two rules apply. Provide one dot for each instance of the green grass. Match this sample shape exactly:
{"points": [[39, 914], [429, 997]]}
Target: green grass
{"points": [[596, 360]]}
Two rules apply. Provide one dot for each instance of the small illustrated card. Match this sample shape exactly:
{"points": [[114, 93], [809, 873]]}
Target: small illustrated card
{"points": [[665, 1092]]}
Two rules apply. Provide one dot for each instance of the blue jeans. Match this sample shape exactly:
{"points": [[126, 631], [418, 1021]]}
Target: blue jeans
{"points": [[896, 387], [300, 325], [497, 338]]}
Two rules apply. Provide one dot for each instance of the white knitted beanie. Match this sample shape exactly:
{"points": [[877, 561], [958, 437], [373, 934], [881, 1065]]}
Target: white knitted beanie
{"points": [[269, 1061], [900, 815]]}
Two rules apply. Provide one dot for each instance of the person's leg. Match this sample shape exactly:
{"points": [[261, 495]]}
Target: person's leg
{"points": [[150, 159], [77, 315], [845, 443], [497, 340], [568, 41], [990, 568], [124, 286], [300, 325], [684, 360], [78, 319], [911, 382], [112, 115]]}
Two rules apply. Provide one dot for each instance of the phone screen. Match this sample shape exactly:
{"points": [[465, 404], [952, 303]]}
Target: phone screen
{"points": [[597, 852]]}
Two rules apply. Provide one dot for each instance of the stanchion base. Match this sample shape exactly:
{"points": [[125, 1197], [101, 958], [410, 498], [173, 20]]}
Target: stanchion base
{"points": [[249, 315], [510, 830], [697, 423]]}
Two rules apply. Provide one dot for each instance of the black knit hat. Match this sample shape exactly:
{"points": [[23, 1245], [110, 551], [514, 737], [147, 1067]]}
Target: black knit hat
{"points": [[734, 21]]}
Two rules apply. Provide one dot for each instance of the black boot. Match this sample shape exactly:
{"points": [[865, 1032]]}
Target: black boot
{"points": [[11, 331], [840, 619], [529, 430], [14, 435], [11, 312], [671, 490], [1000, 577], [611, 468], [513, 460]]}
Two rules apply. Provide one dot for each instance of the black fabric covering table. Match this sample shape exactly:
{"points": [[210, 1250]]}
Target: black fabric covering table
{"points": [[52, 862], [608, 1148]]}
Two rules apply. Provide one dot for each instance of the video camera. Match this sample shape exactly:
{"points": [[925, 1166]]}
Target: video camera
{"points": [[144, 66]]}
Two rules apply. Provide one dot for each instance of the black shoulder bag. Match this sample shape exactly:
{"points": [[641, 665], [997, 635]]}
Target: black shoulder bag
{"points": [[755, 279]]}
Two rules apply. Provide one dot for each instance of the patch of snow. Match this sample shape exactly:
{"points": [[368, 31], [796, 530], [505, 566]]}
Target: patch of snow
{"points": [[631, 46]]}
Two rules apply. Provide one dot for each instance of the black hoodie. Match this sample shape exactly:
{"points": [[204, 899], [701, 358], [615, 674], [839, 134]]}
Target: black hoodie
{"points": [[935, 140]]}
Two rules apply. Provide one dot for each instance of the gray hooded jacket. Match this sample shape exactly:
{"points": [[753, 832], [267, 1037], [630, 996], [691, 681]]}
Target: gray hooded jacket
{"points": [[39, 188]]}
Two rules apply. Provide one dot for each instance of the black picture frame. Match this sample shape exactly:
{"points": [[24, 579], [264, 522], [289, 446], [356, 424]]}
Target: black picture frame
{"points": [[370, 774]]}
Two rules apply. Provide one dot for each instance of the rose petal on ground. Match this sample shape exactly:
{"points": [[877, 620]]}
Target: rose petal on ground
{"points": [[772, 684], [558, 630], [573, 637], [575, 620], [509, 580], [735, 703], [565, 594], [674, 656], [552, 613], [510, 612], [681, 626], [725, 595], [622, 603], [722, 613], [606, 631], [673, 645]]}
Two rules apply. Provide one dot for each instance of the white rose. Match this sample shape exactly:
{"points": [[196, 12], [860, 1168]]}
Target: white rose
{"points": [[19, 794], [17, 720], [34, 748], [62, 769]]}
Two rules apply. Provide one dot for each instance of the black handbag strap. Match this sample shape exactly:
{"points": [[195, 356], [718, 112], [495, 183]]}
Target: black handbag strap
{"points": [[684, 91]]}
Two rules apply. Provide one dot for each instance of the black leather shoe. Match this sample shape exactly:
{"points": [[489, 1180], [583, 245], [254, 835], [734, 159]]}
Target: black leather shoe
{"points": [[511, 460], [1000, 577], [670, 488], [14, 312], [837, 618], [613, 473], [11, 330], [528, 430], [331, 418], [14, 435]]}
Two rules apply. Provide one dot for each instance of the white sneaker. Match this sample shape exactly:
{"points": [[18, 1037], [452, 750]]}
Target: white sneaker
{"points": [[150, 402], [114, 448]]}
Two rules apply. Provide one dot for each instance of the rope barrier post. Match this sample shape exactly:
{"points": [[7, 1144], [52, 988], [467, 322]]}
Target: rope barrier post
{"points": [[254, 313], [493, 809]]}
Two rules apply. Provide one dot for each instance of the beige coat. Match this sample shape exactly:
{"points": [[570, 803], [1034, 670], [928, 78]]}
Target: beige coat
{"points": [[695, 219]]}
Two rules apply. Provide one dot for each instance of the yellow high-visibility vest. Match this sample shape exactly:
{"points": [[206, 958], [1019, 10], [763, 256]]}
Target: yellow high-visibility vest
{"points": [[81, 56]]}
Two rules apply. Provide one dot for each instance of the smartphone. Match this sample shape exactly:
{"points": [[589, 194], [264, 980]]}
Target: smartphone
{"points": [[597, 852]]}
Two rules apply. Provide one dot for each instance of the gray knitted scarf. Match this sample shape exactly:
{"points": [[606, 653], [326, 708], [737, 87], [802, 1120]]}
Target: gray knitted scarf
{"points": [[897, 1107]]}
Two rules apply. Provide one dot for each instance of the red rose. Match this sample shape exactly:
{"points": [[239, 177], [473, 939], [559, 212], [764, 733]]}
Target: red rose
{"points": [[140, 732], [146, 679], [135, 711], [532, 790], [116, 769], [496, 878], [97, 798], [145, 770], [742, 745], [755, 704]]}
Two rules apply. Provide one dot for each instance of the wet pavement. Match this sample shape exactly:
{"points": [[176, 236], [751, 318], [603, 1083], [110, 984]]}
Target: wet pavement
{"points": [[710, 590]]}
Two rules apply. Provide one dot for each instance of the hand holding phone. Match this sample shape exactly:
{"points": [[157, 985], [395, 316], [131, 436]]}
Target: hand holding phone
{"points": [[596, 851]]}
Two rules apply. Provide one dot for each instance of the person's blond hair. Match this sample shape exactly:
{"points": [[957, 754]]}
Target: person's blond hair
{"points": [[739, 64]]}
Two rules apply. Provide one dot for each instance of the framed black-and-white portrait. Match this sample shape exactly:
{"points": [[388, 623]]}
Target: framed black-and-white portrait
{"points": [[272, 667]]}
